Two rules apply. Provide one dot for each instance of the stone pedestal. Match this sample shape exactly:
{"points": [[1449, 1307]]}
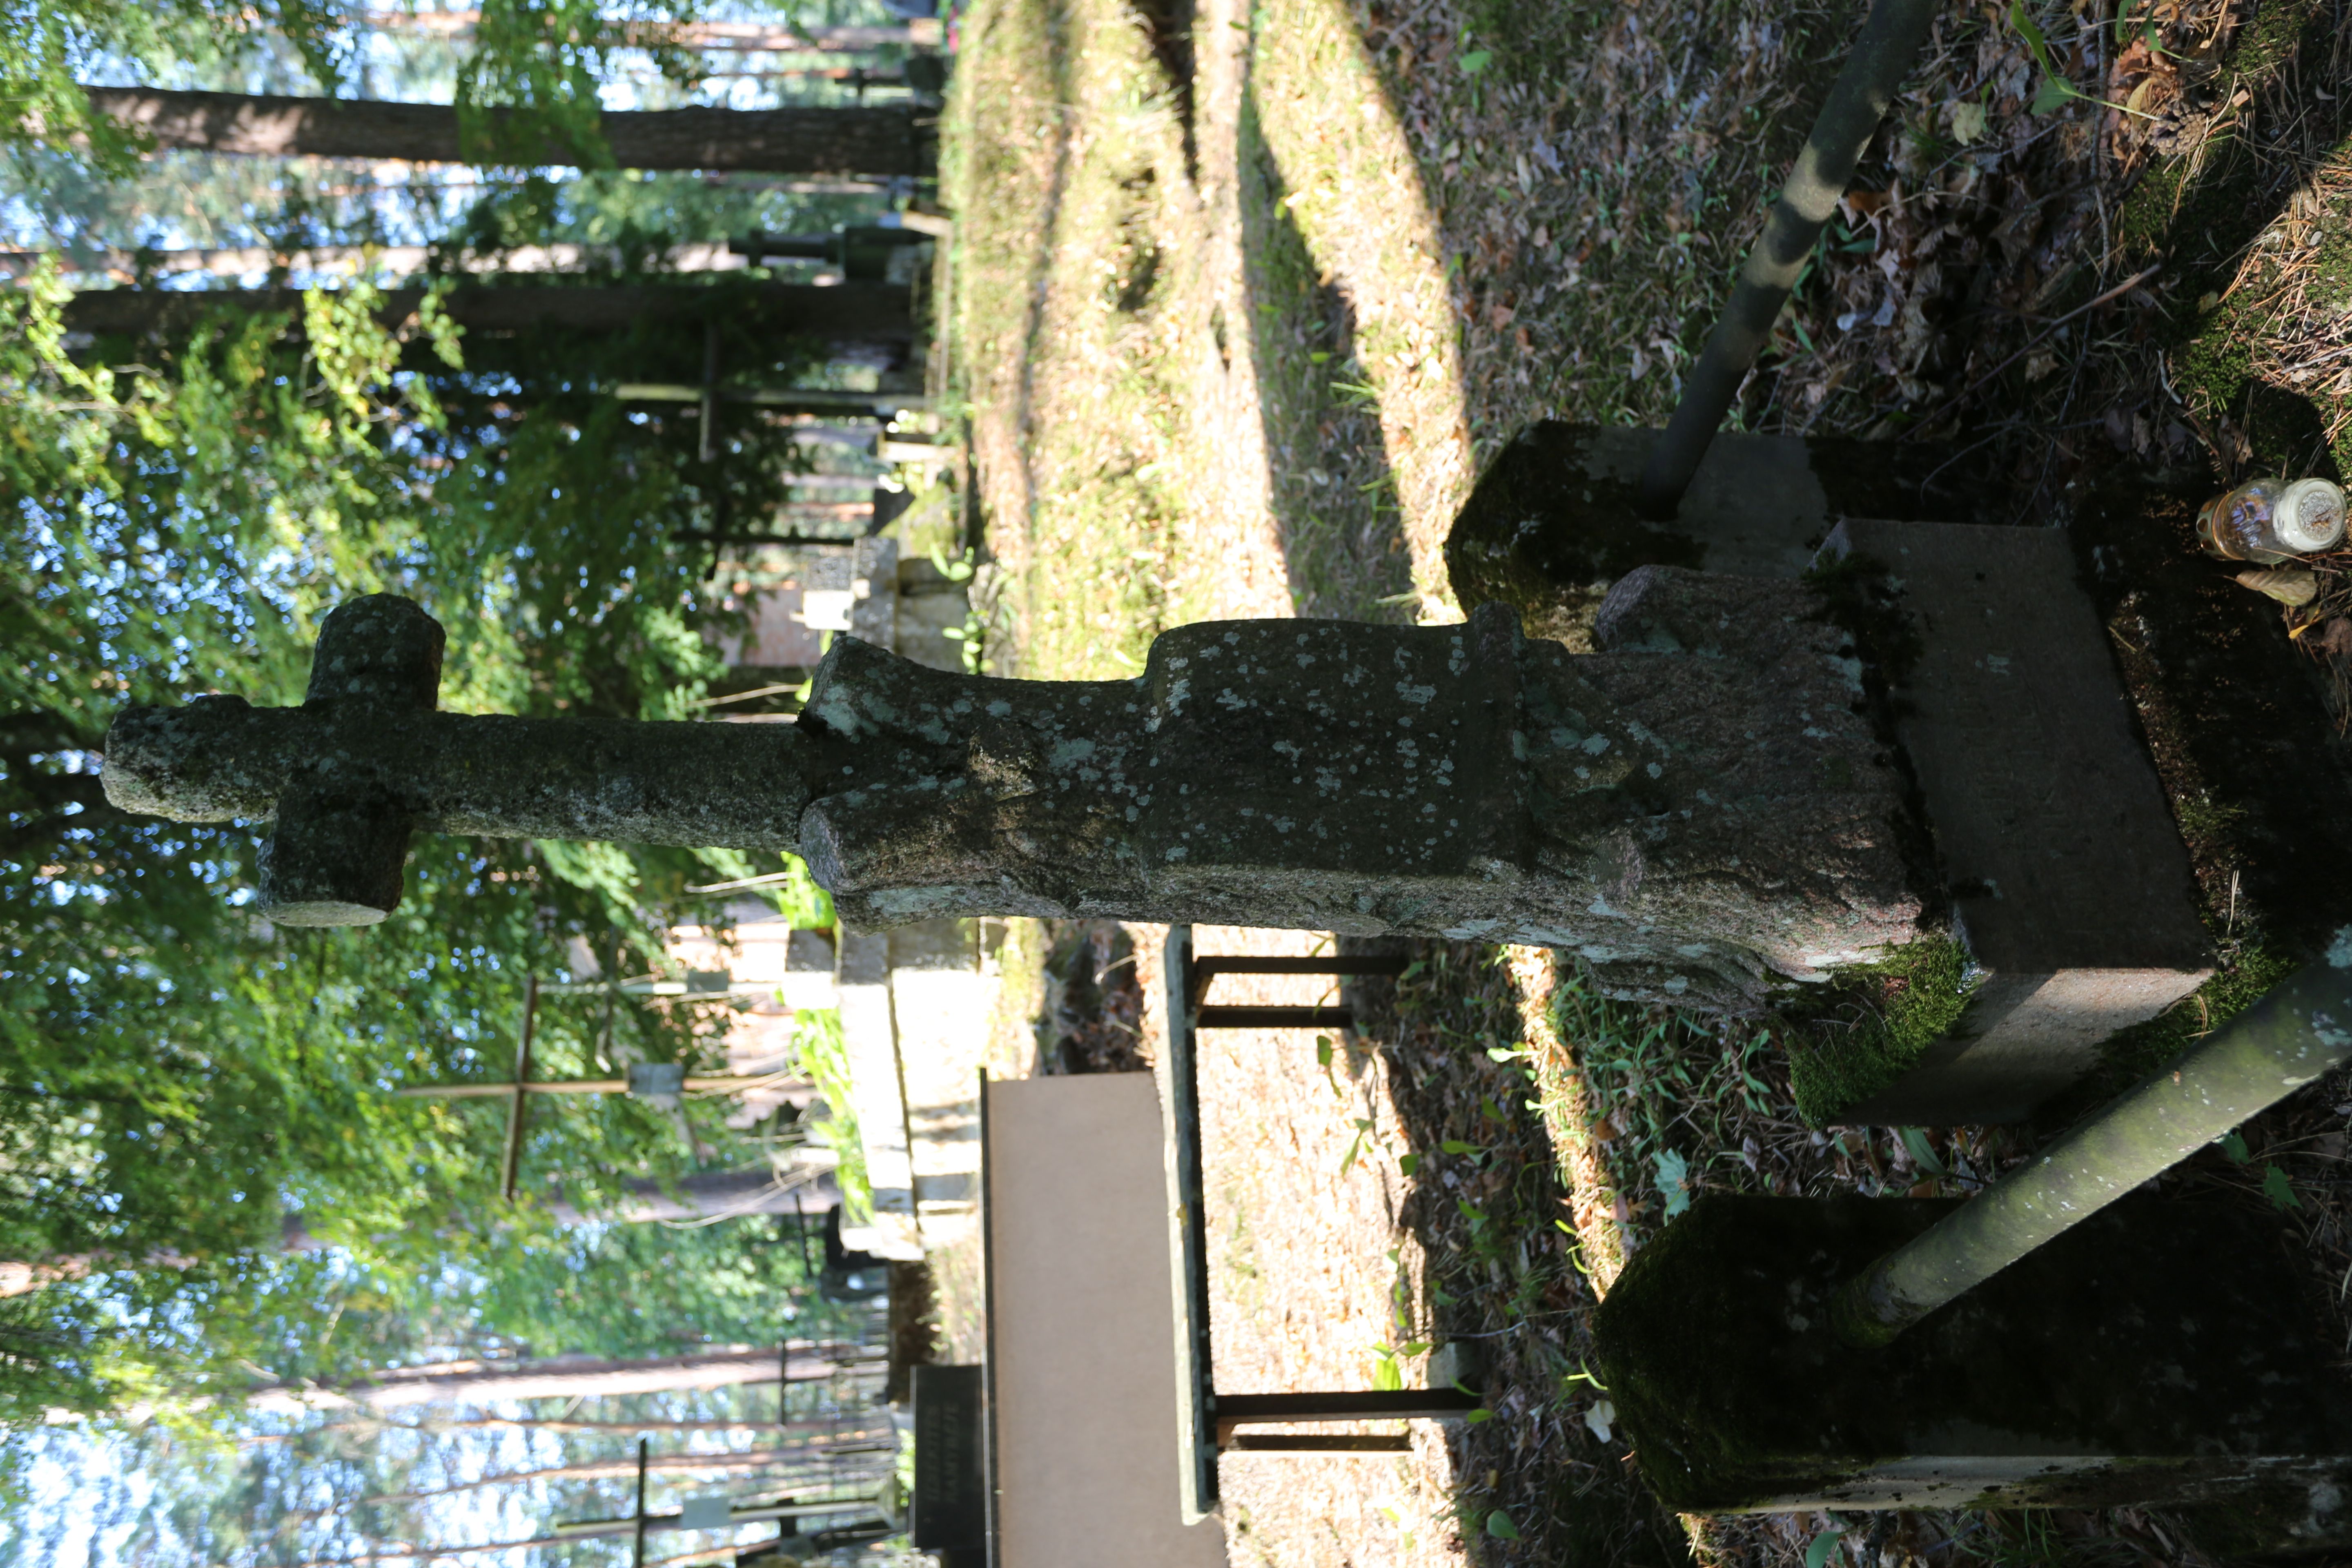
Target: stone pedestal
{"points": [[2069, 884], [2161, 1351], [1552, 525], [2045, 836]]}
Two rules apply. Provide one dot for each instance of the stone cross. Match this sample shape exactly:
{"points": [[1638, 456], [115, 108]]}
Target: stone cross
{"points": [[1699, 810]]}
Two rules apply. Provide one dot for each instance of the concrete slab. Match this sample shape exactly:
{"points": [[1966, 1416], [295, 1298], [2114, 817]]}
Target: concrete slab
{"points": [[2070, 885], [2161, 1353], [1081, 1405]]}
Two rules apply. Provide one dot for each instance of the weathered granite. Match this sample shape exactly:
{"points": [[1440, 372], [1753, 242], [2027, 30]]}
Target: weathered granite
{"points": [[1696, 812], [481, 774], [1554, 520]]}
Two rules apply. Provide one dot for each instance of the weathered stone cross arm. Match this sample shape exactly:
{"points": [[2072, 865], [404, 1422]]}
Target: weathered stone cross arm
{"points": [[366, 759], [1695, 810]]}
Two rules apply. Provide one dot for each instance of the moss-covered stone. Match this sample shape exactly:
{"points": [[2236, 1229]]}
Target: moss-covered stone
{"points": [[1551, 524], [2158, 1351], [1874, 1023]]}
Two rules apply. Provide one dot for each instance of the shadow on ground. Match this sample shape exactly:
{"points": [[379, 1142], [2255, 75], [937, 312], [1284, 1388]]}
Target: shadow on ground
{"points": [[1334, 493]]}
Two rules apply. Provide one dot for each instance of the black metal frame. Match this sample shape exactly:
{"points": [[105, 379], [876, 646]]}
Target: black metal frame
{"points": [[1205, 1419]]}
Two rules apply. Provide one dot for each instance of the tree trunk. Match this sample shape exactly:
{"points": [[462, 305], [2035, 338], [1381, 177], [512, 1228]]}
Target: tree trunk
{"points": [[768, 1427], [237, 261], [844, 312], [556, 1377], [525, 1424], [709, 1195], [742, 37], [662, 1465], [705, 1195], [881, 140]]}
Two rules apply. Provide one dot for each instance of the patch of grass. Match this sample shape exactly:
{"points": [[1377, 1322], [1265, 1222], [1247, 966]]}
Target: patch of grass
{"points": [[1874, 1024], [2250, 219], [1366, 283], [1333, 493], [1665, 1089], [1488, 1201], [2248, 972], [1065, 139]]}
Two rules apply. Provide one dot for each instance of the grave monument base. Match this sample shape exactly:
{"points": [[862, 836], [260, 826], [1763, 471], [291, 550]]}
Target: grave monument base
{"points": [[2161, 1352], [1553, 523], [2058, 869]]}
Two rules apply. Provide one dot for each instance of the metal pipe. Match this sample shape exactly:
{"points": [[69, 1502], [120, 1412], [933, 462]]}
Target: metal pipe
{"points": [[2293, 1035], [1882, 54], [518, 1107]]}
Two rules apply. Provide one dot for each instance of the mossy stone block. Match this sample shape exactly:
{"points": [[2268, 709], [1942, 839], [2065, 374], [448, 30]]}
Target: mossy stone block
{"points": [[2158, 1353]]}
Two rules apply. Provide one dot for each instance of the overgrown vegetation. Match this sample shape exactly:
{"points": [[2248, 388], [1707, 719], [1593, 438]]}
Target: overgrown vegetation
{"points": [[178, 1080], [824, 1057]]}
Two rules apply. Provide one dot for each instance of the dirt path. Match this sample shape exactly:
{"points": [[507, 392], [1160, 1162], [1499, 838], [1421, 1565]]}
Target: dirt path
{"points": [[1311, 1268]]}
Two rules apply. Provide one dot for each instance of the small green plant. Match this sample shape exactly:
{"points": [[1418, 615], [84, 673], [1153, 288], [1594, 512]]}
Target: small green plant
{"points": [[1388, 1364], [2055, 87], [1672, 1174]]}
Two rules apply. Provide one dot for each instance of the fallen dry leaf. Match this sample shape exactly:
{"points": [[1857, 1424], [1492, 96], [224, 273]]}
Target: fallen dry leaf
{"points": [[2289, 586]]}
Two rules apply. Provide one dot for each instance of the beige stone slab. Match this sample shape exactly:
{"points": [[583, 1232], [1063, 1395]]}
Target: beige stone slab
{"points": [[1083, 1406], [2070, 884]]}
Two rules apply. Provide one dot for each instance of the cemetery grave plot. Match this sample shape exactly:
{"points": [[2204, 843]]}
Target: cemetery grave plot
{"points": [[343, 812], [1548, 157], [1309, 1272], [1413, 1181]]}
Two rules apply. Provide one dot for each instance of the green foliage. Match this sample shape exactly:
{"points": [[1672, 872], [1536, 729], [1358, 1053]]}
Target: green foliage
{"points": [[44, 47], [629, 1291], [824, 1054], [1874, 1023], [543, 60], [179, 1082], [176, 1076], [1669, 1082], [2248, 971]]}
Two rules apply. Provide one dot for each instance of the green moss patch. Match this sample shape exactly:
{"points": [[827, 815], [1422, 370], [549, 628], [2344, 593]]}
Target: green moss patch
{"points": [[1875, 1026]]}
